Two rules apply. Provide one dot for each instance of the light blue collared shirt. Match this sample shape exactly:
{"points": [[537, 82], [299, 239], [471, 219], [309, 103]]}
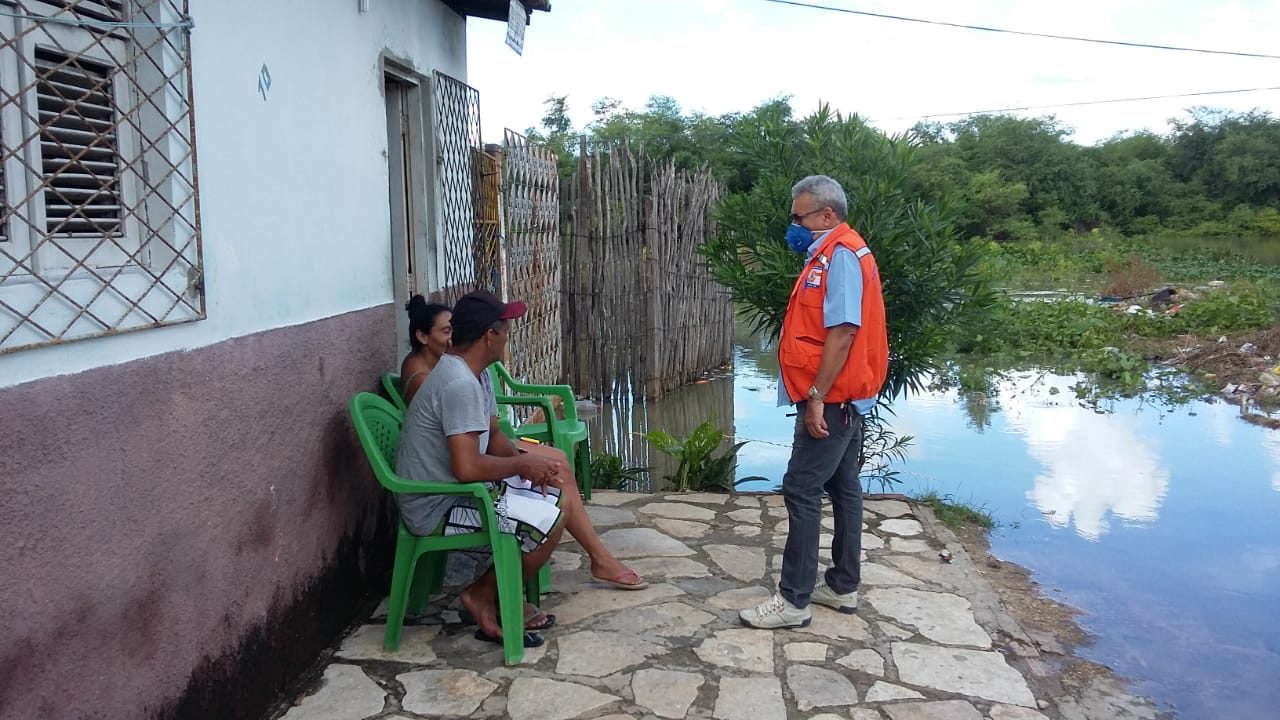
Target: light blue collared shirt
{"points": [[842, 304]]}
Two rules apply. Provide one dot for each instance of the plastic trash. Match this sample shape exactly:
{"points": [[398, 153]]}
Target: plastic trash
{"points": [[1248, 348]]}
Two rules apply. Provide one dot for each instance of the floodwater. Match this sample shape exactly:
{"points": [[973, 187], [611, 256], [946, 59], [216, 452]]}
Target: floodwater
{"points": [[1161, 525]]}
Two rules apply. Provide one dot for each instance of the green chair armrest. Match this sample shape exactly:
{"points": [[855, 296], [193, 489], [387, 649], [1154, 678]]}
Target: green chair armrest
{"points": [[505, 425], [541, 401], [564, 392], [398, 484]]}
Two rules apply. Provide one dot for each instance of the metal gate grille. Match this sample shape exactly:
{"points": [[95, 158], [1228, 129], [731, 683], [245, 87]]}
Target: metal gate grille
{"points": [[532, 208], [99, 222], [456, 118], [486, 197]]}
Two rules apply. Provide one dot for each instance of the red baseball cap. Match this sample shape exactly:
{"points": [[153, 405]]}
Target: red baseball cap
{"points": [[478, 310]]}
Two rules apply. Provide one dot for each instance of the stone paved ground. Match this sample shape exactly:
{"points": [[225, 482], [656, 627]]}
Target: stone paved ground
{"points": [[929, 639]]}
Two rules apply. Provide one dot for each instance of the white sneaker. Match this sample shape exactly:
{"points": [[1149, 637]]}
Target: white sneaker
{"points": [[776, 612], [824, 595]]}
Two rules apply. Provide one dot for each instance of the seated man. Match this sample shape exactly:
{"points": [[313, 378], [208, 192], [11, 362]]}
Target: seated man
{"points": [[450, 434]]}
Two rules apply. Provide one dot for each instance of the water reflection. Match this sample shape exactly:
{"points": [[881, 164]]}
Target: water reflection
{"points": [[1272, 446], [1160, 525], [619, 427], [1094, 465]]}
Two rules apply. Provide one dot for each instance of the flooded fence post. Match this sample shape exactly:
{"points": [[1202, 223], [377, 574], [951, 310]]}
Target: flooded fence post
{"points": [[642, 314], [654, 338]]}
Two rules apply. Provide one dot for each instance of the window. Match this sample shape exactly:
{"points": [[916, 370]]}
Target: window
{"points": [[98, 221]]}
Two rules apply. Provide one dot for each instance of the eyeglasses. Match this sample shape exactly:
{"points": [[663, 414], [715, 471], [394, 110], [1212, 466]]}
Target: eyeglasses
{"points": [[796, 218]]}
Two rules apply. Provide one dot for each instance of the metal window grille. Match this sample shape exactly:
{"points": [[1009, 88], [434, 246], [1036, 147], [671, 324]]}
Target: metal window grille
{"points": [[102, 10], [99, 232], [531, 185], [457, 132]]}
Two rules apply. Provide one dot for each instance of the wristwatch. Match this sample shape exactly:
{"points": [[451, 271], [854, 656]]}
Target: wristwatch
{"points": [[815, 395]]}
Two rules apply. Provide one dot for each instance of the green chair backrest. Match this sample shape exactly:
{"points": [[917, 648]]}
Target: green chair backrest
{"points": [[378, 427], [391, 384]]}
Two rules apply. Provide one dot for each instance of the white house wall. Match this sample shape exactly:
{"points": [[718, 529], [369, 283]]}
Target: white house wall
{"points": [[293, 187], [186, 517]]}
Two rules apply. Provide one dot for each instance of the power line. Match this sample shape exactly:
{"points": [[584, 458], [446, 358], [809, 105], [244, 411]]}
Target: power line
{"points": [[1077, 104], [984, 28]]}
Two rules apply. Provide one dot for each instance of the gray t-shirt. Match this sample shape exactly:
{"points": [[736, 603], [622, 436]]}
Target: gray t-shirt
{"points": [[451, 401]]}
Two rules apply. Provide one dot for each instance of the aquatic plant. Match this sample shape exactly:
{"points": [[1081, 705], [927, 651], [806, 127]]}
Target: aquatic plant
{"points": [[698, 468], [610, 471]]}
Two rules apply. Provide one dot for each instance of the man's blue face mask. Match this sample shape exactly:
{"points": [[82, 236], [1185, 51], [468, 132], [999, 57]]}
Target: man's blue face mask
{"points": [[799, 237]]}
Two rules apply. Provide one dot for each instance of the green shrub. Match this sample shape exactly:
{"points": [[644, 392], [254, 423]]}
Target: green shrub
{"points": [[1242, 308]]}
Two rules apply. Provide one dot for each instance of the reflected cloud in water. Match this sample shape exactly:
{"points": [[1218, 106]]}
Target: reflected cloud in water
{"points": [[1223, 419], [1095, 466], [1271, 444]]}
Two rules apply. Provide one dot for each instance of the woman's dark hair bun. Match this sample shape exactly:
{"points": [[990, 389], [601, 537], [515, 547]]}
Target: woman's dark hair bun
{"points": [[417, 302]]}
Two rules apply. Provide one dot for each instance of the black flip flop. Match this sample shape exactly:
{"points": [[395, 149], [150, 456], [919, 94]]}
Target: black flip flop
{"points": [[546, 624], [531, 639]]}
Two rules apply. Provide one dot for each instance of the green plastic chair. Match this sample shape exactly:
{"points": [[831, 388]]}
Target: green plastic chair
{"points": [[420, 561], [391, 386], [569, 435]]}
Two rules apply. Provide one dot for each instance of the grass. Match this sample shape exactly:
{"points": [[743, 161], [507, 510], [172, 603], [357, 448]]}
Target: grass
{"points": [[1122, 354], [955, 514]]}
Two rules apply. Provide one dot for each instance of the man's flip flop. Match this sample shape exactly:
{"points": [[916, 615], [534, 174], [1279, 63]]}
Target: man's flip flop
{"points": [[617, 580], [531, 639]]}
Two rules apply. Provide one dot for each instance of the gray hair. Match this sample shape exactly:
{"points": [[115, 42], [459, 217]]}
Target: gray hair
{"points": [[826, 192]]}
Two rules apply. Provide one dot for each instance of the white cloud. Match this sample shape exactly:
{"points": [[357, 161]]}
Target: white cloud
{"points": [[1223, 418], [1271, 444], [1093, 466]]}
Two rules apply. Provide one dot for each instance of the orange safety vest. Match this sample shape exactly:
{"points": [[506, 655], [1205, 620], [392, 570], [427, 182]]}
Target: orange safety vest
{"points": [[804, 332]]}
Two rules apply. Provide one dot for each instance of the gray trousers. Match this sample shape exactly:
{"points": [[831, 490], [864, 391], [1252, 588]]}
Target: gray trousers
{"points": [[830, 464]]}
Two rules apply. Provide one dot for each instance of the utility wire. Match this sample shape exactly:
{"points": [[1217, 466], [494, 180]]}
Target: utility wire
{"points": [[1077, 104], [985, 28]]}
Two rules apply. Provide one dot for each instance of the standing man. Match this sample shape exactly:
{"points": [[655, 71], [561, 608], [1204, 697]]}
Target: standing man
{"points": [[834, 356]]}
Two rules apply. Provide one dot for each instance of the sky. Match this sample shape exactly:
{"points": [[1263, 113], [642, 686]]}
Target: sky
{"points": [[719, 56]]}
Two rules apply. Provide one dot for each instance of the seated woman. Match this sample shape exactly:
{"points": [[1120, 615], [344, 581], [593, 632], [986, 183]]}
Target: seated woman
{"points": [[430, 334]]}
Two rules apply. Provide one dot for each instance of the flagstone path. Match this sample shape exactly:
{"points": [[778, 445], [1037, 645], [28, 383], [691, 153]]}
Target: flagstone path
{"points": [[928, 641]]}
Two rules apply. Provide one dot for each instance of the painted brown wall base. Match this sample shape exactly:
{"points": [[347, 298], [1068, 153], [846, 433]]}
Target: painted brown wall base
{"points": [[182, 534]]}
